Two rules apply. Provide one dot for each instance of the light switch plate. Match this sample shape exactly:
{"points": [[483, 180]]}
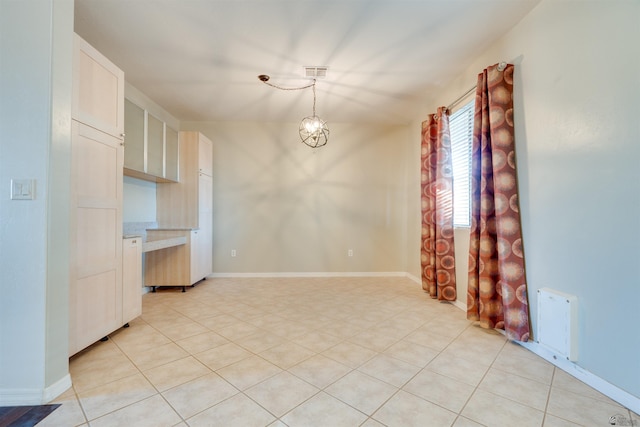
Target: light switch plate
{"points": [[22, 189]]}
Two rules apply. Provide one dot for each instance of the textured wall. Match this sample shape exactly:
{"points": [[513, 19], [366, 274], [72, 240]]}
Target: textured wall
{"points": [[287, 208]]}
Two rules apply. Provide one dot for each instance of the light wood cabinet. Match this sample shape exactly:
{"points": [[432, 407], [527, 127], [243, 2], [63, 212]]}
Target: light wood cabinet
{"points": [[134, 152], [97, 153], [178, 205], [169, 266], [131, 278], [171, 154], [205, 155], [96, 236], [189, 204], [155, 146], [98, 90], [151, 146]]}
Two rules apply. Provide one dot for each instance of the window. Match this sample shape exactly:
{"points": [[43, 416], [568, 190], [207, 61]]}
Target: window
{"points": [[461, 129]]}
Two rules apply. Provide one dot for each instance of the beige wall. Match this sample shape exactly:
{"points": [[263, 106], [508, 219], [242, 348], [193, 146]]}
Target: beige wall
{"points": [[286, 208]]}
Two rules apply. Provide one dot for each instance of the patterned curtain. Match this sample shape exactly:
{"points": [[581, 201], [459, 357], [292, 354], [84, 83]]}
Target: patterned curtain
{"points": [[437, 253], [497, 293]]}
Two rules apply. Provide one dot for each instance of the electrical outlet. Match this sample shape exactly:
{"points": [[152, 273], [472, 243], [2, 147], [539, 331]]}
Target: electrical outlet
{"points": [[350, 252], [233, 252]]}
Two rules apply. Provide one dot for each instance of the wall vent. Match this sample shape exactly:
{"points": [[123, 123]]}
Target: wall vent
{"points": [[558, 323], [315, 72]]}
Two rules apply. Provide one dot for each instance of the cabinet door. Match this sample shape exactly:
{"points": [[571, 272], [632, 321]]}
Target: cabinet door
{"points": [[205, 155], [96, 236], [155, 146], [205, 245], [134, 136], [131, 279], [205, 194], [98, 90], [171, 158], [195, 270]]}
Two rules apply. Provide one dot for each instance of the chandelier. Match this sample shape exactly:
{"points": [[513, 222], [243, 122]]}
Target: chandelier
{"points": [[313, 130]]}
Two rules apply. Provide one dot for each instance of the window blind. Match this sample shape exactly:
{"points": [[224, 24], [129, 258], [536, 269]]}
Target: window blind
{"points": [[461, 129]]}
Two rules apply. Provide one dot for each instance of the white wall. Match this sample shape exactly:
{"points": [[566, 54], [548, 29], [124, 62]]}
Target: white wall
{"points": [[287, 208], [577, 91], [35, 127], [138, 200]]}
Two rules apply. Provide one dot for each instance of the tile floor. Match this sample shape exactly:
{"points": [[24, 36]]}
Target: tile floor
{"points": [[317, 352]]}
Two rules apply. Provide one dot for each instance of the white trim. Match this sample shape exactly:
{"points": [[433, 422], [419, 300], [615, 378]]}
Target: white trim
{"points": [[312, 274], [34, 396], [622, 397], [414, 278], [459, 304]]}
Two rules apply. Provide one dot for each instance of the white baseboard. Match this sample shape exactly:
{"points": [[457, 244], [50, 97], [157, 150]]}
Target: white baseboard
{"points": [[34, 396], [416, 279], [622, 397], [311, 274], [462, 306]]}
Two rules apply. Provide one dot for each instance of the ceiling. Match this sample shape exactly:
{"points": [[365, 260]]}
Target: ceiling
{"points": [[199, 59]]}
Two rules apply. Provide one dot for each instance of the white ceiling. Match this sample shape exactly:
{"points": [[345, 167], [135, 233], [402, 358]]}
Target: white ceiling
{"points": [[199, 59]]}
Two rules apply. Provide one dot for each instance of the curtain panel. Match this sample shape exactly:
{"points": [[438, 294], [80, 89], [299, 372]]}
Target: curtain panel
{"points": [[497, 291], [437, 252]]}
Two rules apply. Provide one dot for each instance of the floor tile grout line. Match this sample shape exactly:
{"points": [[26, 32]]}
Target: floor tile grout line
{"points": [[183, 311], [477, 386]]}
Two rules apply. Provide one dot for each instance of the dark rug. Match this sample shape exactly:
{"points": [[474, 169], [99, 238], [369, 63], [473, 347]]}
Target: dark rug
{"points": [[24, 416]]}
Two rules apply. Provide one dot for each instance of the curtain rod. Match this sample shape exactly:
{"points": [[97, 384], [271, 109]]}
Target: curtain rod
{"points": [[463, 96], [501, 66]]}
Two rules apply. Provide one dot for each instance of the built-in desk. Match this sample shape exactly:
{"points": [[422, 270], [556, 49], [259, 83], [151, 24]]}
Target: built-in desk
{"points": [[168, 257], [156, 245]]}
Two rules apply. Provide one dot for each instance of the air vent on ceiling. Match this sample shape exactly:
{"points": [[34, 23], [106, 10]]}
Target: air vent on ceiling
{"points": [[315, 72]]}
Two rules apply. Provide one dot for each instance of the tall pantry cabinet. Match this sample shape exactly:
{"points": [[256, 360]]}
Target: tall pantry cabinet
{"points": [[189, 203], [96, 284]]}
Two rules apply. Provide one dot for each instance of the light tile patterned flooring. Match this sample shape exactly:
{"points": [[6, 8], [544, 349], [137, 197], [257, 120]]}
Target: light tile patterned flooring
{"points": [[317, 352]]}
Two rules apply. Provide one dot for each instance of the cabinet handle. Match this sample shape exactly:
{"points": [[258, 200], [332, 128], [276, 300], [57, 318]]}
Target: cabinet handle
{"points": [[122, 144], [122, 135]]}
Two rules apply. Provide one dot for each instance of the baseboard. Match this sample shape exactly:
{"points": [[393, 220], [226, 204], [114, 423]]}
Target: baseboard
{"points": [[35, 396], [462, 306], [622, 397], [416, 279], [310, 274]]}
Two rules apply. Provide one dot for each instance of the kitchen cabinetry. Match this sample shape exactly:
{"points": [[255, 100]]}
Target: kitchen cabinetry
{"points": [[131, 278], [98, 90], [178, 205], [188, 204], [95, 270], [96, 236], [171, 266], [151, 146]]}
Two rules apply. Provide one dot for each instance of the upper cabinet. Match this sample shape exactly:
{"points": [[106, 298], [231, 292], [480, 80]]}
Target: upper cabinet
{"points": [[171, 154], [205, 156], [134, 118], [151, 146], [99, 90]]}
